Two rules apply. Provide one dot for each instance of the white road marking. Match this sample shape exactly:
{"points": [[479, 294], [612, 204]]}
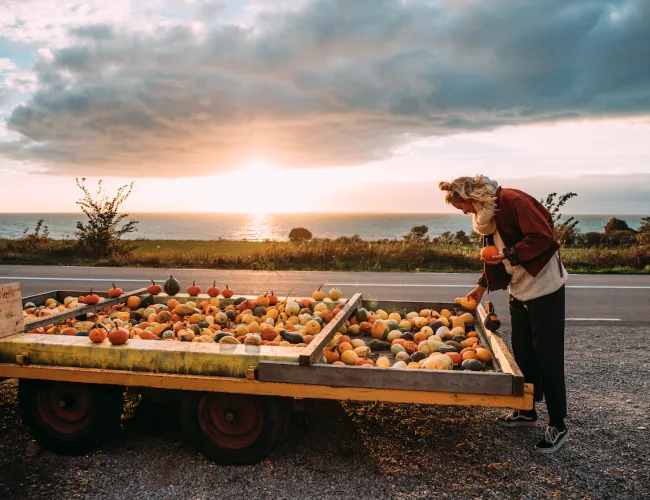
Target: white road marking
{"points": [[436, 285], [593, 319], [77, 279]]}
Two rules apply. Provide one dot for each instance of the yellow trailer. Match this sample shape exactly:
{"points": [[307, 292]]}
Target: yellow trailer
{"points": [[235, 400]]}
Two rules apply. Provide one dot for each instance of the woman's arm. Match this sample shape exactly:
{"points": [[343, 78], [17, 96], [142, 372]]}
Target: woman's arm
{"points": [[538, 237]]}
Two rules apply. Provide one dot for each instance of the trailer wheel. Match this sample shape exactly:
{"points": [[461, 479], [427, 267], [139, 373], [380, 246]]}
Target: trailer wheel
{"points": [[234, 429], [69, 418]]}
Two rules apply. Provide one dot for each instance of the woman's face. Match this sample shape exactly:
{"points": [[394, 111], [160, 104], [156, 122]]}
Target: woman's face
{"points": [[466, 206]]}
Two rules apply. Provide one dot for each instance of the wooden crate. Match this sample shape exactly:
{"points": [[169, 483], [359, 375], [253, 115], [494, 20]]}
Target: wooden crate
{"points": [[156, 356], [504, 379]]}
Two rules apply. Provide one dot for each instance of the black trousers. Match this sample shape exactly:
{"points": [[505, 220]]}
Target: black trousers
{"points": [[538, 347]]}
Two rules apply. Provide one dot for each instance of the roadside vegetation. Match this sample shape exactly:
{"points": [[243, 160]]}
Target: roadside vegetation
{"points": [[99, 241]]}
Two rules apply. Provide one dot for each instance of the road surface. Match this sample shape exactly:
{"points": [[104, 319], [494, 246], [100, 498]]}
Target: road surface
{"points": [[615, 298]]}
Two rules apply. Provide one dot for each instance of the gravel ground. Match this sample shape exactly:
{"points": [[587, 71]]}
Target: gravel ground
{"points": [[352, 450]]}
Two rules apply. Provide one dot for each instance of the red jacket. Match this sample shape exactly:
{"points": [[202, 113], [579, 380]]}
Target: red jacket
{"points": [[527, 230]]}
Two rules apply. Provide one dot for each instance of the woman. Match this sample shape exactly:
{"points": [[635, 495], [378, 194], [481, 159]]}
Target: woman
{"points": [[529, 265]]}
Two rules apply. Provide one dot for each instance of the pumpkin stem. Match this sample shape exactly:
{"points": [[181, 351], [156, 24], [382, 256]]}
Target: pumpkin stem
{"points": [[153, 282], [320, 287], [214, 284], [288, 295], [193, 283], [113, 285]]}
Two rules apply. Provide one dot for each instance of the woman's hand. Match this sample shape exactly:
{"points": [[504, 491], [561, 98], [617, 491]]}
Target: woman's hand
{"points": [[497, 259], [477, 294]]}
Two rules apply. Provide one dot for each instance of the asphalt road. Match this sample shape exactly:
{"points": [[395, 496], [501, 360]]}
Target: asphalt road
{"points": [[613, 298]]}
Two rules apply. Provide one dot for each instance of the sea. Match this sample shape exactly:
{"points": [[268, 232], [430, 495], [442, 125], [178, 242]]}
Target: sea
{"points": [[276, 227]]}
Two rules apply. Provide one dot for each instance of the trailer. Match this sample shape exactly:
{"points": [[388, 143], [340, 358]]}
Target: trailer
{"points": [[235, 400]]}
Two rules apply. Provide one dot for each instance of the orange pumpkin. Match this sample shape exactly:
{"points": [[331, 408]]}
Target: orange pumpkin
{"points": [[273, 299], [343, 338], [92, 299], [472, 334], [488, 252], [469, 355], [410, 346], [262, 300], [227, 292], [118, 337], [214, 291], [69, 331], [133, 302], [331, 355], [366, 327], [97, 335], [154, 289], [455, 357], [193, 290], [306, 302], [114, 292]]}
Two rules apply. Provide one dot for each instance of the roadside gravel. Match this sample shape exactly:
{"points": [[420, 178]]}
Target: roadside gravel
{"points": [[353, 450]]}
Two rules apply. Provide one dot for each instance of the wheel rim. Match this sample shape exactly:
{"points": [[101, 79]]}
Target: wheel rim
{"points": [[66, 408], [231, 421]]}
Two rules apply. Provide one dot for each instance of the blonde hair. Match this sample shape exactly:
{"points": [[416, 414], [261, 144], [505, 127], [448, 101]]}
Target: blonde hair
{"points": [[479, 189], [481, 192]]}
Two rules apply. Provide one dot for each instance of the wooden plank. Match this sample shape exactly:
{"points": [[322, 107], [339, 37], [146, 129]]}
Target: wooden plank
{"points": [[11, 309], [73, 313], [400, 305], [196, 358], [388, 378], [312, 353], [245, 386], [502, 354]]}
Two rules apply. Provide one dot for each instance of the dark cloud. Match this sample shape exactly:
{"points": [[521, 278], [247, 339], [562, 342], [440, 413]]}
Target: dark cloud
{"points": [[332, 83], [93, 31]]}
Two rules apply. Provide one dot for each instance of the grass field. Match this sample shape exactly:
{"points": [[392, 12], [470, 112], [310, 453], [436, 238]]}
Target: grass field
{"points": [[221, 247], [343, 254]]}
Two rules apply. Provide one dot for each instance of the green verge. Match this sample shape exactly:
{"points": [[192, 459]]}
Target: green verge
{"points": [[345, 254]]}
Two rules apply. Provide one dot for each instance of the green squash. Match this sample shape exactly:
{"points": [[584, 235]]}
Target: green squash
{"points": [[259, 311], [447, 348], [473, 364], [82, 333], [167, 334], [238, 300], [362, 314], [172, 286]]}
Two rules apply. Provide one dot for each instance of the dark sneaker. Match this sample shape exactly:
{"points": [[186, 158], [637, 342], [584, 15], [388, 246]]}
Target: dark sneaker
{"points": [[553, 440], [518, 419]]}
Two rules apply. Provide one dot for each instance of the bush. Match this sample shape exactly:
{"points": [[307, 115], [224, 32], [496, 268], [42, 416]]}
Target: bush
{"points": [[620, 238], [300, 234], [418, 232], [615, 225], [101, 235], [593, 239]]}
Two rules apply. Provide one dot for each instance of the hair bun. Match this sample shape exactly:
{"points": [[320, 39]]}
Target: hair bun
{"points": [[444, 186]]}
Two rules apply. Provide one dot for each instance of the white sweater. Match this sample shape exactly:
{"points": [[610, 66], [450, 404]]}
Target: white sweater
{"points": [[524, 286]]}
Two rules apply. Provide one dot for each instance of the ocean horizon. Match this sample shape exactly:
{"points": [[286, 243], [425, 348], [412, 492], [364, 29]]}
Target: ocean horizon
{"points": [[276, 227]]}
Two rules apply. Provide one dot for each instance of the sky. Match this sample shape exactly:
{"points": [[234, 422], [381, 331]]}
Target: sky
{"points": [[323, 105]]}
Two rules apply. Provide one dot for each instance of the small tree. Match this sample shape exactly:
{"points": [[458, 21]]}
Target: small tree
{"points": [[300, 234], [565, 231], [615, 224], [461, 238], [418, 232], [444, 239], [101, 235]]}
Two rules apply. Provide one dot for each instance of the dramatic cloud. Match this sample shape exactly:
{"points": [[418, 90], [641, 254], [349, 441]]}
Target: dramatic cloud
{"points": [[324, 83]]}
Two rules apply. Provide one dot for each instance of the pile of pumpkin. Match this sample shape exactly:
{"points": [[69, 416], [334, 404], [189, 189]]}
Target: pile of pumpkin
{"points": [[267, 320], [425, 339]]}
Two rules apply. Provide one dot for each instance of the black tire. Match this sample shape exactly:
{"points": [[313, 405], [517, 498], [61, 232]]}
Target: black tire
{"points": [[234, 429], [69, 418]]}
